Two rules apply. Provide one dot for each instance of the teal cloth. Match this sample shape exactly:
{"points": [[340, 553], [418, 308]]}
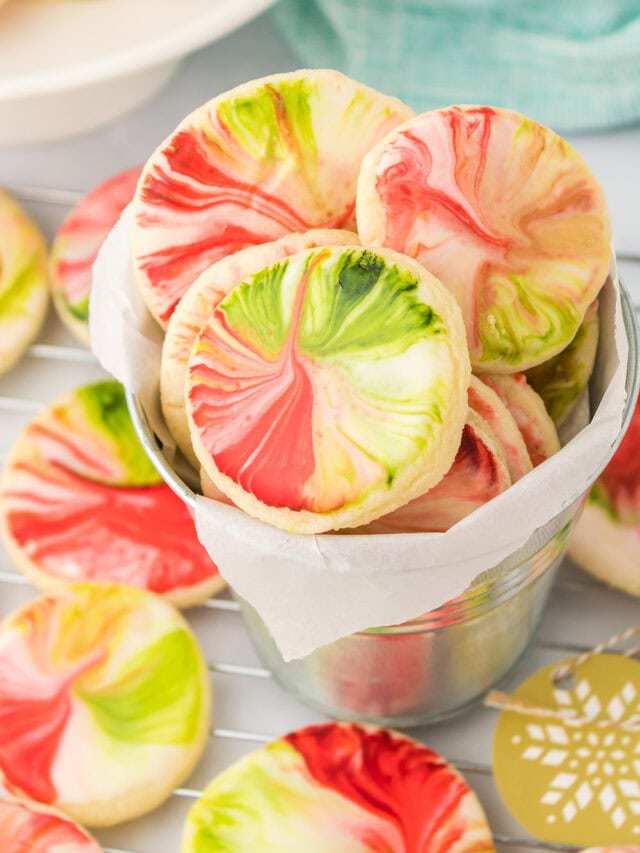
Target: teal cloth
{"points": [[570, 64]]}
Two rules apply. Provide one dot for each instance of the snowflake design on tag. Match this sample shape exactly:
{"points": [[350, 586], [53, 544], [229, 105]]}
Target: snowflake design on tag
{"points": [[581, 780]]}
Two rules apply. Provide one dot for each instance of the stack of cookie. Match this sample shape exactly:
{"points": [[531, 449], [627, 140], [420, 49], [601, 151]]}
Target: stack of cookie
{"points": [[331, 270]]}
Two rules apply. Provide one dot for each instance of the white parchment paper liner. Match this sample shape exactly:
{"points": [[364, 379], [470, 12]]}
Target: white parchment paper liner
{"points": [[311, 590]]}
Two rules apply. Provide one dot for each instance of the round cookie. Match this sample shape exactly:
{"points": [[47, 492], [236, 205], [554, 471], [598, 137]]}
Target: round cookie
{"points": [[329, 388], [77, 244], [505, 213], [197, 305], [606, 540], [338, 787], [24, 282], [80, 500], [270, 157], [537, 429], [105, 702], [28, 826], [478, 474], [561, 380], [486, 403]]}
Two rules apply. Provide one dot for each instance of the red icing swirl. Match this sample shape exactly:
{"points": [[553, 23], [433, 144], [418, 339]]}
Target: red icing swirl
{"points": [[79, 529], [394, 778]]}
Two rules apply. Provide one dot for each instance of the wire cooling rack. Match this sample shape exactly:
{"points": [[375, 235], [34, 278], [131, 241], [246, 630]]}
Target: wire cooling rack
{"points": [[249, 707]]}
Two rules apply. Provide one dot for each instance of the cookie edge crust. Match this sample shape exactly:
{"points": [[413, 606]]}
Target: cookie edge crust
{"points": [[507, 424], [526, 398]]}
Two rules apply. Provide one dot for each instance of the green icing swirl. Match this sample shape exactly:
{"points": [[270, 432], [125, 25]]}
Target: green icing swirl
{"points": [[105, 408], [259, 312], [79, 310], [275, 122], [505, 330], [237, 810], [156, 698], [373, 306], [15, 299], [561, 380]]}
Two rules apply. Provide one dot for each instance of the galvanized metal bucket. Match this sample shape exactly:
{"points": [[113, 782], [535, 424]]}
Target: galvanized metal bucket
{"points": [[441, 662]]}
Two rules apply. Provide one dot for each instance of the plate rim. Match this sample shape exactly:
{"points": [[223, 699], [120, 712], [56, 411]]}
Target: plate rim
{"points": [[208, 26]]}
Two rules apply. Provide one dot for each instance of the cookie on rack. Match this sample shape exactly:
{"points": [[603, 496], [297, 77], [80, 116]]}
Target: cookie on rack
{"points": [[561, 380], [24, 281], [529, 412], [105, 702], [478, 474], [80, 500], [338, 787], [273, 156], [606, 540], [77, 244], [486, 403], [502, 210], [329, 388], [626, 849], [197, 305], [28, 826]]}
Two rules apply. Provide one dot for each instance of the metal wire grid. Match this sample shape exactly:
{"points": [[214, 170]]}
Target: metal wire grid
{"points": [[64, 354]]}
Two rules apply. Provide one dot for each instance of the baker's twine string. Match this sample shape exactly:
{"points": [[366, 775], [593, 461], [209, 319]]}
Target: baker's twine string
{"points": [[505, 702]]}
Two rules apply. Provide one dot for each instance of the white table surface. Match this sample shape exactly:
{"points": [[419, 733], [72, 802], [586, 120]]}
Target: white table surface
{"points": [[249, 707]]}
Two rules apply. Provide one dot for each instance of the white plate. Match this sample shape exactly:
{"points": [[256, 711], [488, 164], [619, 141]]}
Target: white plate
{"points": [[67, 66]]}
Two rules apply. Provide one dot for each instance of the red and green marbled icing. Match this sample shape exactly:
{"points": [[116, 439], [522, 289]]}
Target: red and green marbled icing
{"points": [[79, 239], [81, 500], [561, 380], [486, 403], [26, 828], [100, 694], [339, 787], [273, 156], [477, 475], [617, 489], [528, 410], [199, 301], [507, 215], [320, 378]]}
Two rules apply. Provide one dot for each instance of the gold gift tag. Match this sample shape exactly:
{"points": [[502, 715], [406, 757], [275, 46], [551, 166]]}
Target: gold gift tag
{"points": [[574, 784]]}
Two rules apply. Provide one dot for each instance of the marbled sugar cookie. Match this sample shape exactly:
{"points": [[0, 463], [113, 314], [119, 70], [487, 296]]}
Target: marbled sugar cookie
{"points": [[27, 827], [76, 247], [561, 380], [104, 702], [79, 500], [197, 305], [505, 213], [339, 787], [606, 539], [24, 281], [478, 474], [329, 388], [536, 427], [486, 403], [270, 157]]}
